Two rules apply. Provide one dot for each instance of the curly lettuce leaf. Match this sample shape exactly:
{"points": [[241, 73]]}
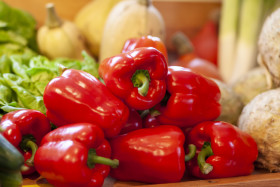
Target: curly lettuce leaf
{"points": [[20, 22]]}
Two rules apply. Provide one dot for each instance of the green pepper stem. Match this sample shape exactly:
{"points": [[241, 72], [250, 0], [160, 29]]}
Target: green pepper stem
{"points": [[24, 168], [141, 79], [1, 129], [106, 161], [143, 89], [154, 112], [61, 69], [205, 152], [93, 159], [33, 146], [191, 154]]}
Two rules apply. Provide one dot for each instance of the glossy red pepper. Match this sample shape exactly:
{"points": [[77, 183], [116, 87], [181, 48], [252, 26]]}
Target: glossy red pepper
{"points": [[77, 96], [75, 155], [150, 120], [137, 77], [198, 65], [25, 129], [151, 155], [223, 151], [190, 99], [134, 122], [145, 41]]}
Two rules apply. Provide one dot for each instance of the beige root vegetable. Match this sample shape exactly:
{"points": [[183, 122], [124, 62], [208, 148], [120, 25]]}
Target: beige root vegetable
{"points": [[130, 19], [261, 119], [231, 104], [60, 38], [91, 20], [269, 48], [251, 84]]}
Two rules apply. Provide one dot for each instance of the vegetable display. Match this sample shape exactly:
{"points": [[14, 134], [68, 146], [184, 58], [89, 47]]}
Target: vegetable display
{"points": [[73, 155], [188, 58], [145, 113], [23, 79], [11, 162], [260, 119], [24, 73], [231, 103], [60, 38], [130, 19], [17, 31], [150, 119], [153, 155], [145, 41], [137, 77], [189, 100], [25, 129], [91, 21], [133, 122], [83, 98], [252, 84], [223, 151], [239, 31], [268, 49], [206, 41]]}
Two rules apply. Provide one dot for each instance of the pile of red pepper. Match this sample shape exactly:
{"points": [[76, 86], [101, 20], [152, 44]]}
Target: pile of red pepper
{"points": [[144, 122]]}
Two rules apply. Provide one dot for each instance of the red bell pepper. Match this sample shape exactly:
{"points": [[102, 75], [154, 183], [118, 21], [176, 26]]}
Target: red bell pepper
{"points": [[137, 77], [74, 155], [154, 155], [145, 41], [188, 58], [77, 96], [190, 99], [25, 129], [206, 42], [150, 120], [223, 151], [134, 122]]}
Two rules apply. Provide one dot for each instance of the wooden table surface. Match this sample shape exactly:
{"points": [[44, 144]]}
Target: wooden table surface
{"points": [[258, 178]]}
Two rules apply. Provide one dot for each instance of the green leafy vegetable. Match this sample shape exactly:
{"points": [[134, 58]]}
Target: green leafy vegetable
{"points": [[23, 80], [20, 22], [24, 73]]}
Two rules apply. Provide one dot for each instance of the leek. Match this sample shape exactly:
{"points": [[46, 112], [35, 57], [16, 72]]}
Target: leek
{"points": [[269, 7], [227, 37], [246, 47]]}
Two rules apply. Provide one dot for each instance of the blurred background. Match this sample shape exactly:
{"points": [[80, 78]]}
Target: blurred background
{"points": [[187, 16]]}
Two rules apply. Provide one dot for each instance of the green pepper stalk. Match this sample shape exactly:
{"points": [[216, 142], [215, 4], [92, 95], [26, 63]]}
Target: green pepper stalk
{"points": [[205, 152], [191, 154], [141, 79], [29, 143], [93, 159]]}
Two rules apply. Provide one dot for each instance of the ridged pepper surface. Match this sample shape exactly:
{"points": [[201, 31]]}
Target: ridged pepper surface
{"points": [[25, 129], [77, 96], [136, 77], [190, 99], [223, 150]]}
